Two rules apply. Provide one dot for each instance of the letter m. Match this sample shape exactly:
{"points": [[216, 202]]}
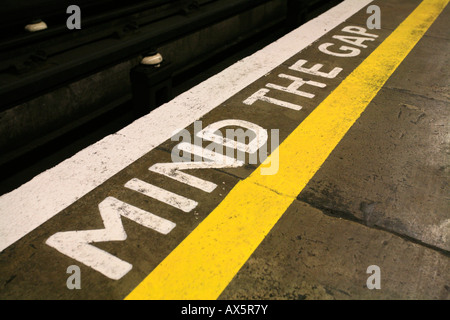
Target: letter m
{"points": [[77, 244]]}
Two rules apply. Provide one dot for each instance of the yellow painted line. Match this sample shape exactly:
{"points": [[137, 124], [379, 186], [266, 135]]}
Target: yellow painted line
{"points": [[202, 266]]}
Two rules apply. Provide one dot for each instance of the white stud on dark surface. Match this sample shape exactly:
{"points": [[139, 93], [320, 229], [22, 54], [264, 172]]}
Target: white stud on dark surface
{"points": [[36, 26], [152, 60]]}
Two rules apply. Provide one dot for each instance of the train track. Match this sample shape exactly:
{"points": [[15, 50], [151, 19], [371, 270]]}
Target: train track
{"points": [[59, 85]]}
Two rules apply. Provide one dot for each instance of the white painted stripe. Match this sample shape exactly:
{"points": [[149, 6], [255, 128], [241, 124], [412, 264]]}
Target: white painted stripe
{"points": [[261, 136], [315, 70], [261, 95], [170, 198], [210, 160], [296, 84], [77, 244], [29, 206]]}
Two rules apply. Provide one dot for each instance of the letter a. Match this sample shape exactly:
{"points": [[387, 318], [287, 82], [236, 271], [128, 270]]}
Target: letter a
{"points": [[374, 21], [374, 281], [74, 281], [74, 21]]}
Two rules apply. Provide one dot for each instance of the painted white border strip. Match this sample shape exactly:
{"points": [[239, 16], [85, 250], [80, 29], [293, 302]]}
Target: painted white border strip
{"points": [[29, 206]]}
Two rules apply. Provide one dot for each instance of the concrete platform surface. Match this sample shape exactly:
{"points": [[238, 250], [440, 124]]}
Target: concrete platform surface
{"points": [[352, 202]]}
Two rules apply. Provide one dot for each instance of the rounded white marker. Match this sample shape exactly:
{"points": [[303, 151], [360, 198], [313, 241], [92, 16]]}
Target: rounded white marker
{"points": [[36, 25], [153, 60]]}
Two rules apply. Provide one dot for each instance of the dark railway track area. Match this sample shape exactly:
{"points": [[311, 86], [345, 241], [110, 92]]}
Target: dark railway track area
{"points": [[61, 90]]}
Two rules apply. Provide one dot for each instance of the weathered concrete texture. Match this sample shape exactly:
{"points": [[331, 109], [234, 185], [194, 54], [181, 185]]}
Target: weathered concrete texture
{"points": [[42, 275], [391, 170], [439, 29], [309, 255], [380, 198], [270, 116], [392, 12], [425, 72]]}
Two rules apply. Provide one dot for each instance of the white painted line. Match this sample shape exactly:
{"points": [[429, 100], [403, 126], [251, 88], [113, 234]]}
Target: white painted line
{"points": [[213, 160], [77, 244], [261, 95], [29, 206], [296, 83], [167, 197]]}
